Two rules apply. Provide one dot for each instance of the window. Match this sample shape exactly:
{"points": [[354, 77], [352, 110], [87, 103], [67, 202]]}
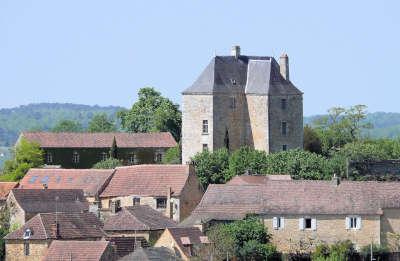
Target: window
{"points": [[75, 157], [161, 203], [284, 128], [307, 223], [205, 147], [353, 222], [233, 103], [49, 157], [133, 159], [136, 201], [26, 248], [283, 104], [233, 81], [205, 126], [284, 147], [278, 222], [104, 155], [27, 234], [158, 157]]}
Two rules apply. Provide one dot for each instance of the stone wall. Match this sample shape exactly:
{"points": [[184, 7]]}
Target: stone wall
{"points": [[15, 250], [329, 229], [166, 240], [390, 225], [17, 214], [257, 125], [375, 170]]}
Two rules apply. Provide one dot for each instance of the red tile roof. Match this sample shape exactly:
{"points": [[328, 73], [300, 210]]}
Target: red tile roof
{"points": [[147, 180], [101, 140], [5, 188], [77, 250], [44, 200], [71, 226], [256, 179], [91, 181], [137, 218], [303, 197]]}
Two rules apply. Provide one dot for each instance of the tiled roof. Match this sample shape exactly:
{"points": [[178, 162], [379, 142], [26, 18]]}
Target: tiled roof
{"points": [[247, 74], [189, 234], [71, 226], [77, 250], [151, 254], [91, 181], [5, 188], [256, 179], [230, 202], [101, 140], [44, 200], [147, 180], [137, 218]]}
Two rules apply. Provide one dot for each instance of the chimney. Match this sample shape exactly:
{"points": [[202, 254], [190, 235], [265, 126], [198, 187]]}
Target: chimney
{"points": [[284, 66], [335, 180], [55, 229], [235, 51], [170, 204], [45, 186]]}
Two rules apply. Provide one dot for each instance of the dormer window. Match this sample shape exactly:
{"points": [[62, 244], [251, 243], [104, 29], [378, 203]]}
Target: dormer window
{"points": [[27, 233], [233, 81]]}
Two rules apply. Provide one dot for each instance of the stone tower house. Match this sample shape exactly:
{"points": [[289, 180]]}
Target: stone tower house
{"points": [[239, 101]]}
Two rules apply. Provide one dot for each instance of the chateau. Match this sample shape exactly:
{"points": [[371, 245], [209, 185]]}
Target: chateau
{"points": [[241, 100]]}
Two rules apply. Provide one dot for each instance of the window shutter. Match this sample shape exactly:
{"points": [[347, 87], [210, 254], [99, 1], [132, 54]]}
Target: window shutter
{"points": [[301, 223], [282, 222], [358, 222], [275, 223], [347, 222], [314, 224]]}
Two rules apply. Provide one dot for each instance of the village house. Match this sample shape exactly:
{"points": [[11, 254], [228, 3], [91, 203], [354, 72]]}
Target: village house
{"points": [[241, 100], [31, 241], [151, 254], [83, 150], [80, 250], [23, 204], [186, 242], [174, 190], [301, 213], [136, 226], [91, 181], [5, 188]]}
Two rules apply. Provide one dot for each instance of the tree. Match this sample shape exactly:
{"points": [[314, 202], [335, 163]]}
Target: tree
{"points": [[113, 149], [246, 239], [109, 163], [311, 140], [101, 123], [173, 155], [4, 230], [152, 112], [337, 251], [67, 126], [27, 155], [211, 166]]}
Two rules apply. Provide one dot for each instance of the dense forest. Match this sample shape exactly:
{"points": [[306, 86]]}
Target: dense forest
{"points": [[44, 116]]}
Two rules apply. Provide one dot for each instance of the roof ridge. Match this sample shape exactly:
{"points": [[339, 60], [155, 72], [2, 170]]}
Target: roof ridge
{"points": [[44, 228]]}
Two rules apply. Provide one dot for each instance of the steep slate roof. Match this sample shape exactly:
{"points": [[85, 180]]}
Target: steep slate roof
{"points": [[295, 197], [151, 254], [137, 218], [252, 74], [44, 200], [256, 179], [91, 181], [77, 250], [190, 234], [71, 226], [147, 180], [101, 140], [5, 188]]}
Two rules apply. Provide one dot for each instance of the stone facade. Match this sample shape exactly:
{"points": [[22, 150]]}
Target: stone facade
{"points": [[243, 101], [15, 250]]}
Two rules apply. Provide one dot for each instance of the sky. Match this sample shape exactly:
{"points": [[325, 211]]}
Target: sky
{"points": [[341, 53]]}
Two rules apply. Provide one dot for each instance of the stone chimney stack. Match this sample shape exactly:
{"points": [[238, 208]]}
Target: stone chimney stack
{"points": [[169, 207], [235, 51], [284, 66]]}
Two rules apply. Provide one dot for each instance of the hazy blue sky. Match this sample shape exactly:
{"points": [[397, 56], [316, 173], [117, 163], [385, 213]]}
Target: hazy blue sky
{"points": [[102, 52]]}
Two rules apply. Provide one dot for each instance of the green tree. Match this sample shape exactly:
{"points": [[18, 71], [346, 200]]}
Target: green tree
{"points": [[311, 140], [67, 126], [110, 163], [101, 123], [246, 239], [27, 155], [113, 149], [152, 112], [211, 166], [4, 230], [335, 252], [173, 155]]}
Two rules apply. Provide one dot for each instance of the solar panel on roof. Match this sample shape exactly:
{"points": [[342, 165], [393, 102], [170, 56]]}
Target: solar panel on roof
{"points": [[58, 179], [45, 179], [33, 179]]}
